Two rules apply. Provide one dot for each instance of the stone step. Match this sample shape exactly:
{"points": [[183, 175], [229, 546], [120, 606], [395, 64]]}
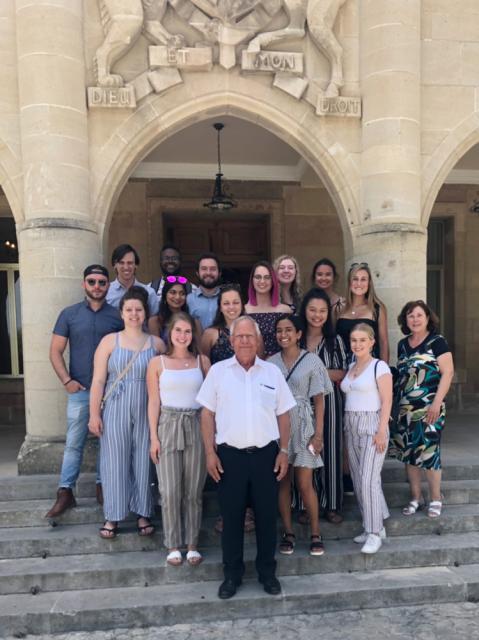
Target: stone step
{"points": [[149, 568], [30, 542], [31, 513], [44, 487], [84, 610]]}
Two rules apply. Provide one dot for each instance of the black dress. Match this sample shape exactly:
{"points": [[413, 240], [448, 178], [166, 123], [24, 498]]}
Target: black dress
{"points": [[344, 326], [222, 349]]}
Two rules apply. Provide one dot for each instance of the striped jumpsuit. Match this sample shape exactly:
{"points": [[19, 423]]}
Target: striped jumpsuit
{"points": [[125, 441]]}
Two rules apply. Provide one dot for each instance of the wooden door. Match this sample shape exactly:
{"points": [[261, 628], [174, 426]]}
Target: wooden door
{"points": [[238, 241]]}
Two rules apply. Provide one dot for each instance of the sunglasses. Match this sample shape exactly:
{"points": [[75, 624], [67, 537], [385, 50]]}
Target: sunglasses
{"points": [[180, 279], [92, 282], [359, 264]]}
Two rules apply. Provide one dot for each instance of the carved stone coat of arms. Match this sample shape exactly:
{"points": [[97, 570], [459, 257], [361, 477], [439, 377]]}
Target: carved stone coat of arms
{"points": [[228, 33]]}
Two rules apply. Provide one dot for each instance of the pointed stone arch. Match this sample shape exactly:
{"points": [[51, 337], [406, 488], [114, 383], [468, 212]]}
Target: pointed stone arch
{"points": [[11, 181], [456, 144], [153, 122]]}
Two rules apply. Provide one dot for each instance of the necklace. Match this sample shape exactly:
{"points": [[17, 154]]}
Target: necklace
{"points": [[357, 370], [353, 309]]}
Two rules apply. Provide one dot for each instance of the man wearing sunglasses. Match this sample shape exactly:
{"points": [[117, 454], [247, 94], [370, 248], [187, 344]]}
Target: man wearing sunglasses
{"points": [[81, 327], [170, 265]]}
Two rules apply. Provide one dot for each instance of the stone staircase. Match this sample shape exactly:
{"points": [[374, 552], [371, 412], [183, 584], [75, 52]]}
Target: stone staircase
{"points": [[65, 578]]}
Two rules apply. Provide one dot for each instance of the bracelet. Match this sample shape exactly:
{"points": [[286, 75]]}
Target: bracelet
{"points": [[284, 451], [69, 380]]}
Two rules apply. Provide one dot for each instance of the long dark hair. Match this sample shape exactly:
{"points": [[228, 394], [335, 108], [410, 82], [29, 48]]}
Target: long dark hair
{"points": [[219, 321], [164, 312], [328, 329], [326, 262]]}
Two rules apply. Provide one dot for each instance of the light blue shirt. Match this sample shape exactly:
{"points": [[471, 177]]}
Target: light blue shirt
{"points": [[117, 291], [203, 307]]}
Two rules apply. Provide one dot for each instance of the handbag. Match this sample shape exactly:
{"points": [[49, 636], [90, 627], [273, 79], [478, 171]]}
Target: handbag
{"points": [[122, 374]]}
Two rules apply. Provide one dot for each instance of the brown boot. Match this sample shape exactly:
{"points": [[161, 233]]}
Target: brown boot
{"points": [[65, 500], [99, 493]]}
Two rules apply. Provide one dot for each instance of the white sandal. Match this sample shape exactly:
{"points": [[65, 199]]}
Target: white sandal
{"points": [[434, 509], [411, 508], [174, 558], [194, 557]]}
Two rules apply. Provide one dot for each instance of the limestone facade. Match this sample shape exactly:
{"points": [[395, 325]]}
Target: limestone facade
{"points": [[380, 98]]}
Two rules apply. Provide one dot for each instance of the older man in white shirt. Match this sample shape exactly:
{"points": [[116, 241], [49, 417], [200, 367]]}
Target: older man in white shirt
{"points": [[245, 415]]}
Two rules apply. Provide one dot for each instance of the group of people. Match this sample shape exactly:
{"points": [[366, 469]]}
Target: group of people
{"points": [[278, 400]]}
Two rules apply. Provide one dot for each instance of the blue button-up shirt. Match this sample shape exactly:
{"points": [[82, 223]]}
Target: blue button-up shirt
{"points": [[117, 291], [84, 329], [203, 307]]}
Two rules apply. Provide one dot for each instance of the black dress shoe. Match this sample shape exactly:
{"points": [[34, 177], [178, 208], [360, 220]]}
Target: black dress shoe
{"points": [[228, 588], [271, 586]]}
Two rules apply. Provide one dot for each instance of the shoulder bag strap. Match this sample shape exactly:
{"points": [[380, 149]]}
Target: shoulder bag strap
{"points": [[123, 373], [295, 365]]}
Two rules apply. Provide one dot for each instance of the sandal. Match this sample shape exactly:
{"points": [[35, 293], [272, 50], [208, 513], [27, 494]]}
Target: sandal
{"points": [[286, 546], [174, 558], [316, 548], [434, 509], [411, 508], [108, 533], [194, 557], [147, 529], [334, 517]]}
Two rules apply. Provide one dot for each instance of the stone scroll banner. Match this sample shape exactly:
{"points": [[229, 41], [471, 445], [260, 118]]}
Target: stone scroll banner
{"points": [[340, 106]]}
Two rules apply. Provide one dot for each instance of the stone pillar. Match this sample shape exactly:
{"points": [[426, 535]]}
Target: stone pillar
{"points": [[57, 239], [390, 237], [396, 254], [390, 51]]}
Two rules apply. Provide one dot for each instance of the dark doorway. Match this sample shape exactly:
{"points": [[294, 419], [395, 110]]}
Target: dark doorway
{"points": [[238, 241]]}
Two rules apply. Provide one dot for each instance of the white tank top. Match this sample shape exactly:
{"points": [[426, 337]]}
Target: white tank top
{"points": [[179, 387]]}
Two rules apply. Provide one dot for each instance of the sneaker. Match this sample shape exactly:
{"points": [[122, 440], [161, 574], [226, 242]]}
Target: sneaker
{"points": [[373, 543], [362, 537]]}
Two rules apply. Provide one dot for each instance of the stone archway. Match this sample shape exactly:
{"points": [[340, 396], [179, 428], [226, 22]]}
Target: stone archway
{"points": [[459, 141], [150, 125], [11, 182]]}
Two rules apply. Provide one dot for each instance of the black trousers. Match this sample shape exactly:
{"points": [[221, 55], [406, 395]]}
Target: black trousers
{"points": [[248, 479]]}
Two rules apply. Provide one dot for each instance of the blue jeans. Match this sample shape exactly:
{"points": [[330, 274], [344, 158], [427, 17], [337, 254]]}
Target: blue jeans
{"points": [[78, 413]]}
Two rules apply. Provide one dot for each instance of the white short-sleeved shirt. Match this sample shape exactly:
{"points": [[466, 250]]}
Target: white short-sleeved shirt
{"points": [[246, 403], [362, 393]]}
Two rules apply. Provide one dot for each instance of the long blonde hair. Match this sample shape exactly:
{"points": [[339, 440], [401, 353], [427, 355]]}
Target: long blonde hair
{"points": [[372, 300], [296, 288]]}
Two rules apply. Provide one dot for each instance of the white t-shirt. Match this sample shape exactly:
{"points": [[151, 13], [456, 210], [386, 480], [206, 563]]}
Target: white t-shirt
{"points": [[362, 392], [246, 403]]}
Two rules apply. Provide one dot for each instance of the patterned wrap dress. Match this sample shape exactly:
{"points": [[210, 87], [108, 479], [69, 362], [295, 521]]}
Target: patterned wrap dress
{"points": [[415, 442], [308, 379], [125, 441]]}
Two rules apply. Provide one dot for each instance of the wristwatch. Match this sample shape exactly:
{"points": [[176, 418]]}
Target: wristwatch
{"points": [[284, 451]]}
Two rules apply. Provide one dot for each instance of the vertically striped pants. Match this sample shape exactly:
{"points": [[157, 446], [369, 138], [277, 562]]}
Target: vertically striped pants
{"points": [[366, 463], [181, 475]]}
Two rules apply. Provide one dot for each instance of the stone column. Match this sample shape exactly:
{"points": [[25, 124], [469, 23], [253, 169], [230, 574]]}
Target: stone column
{"points": [[390, 237], [396, 254], [57, 239]]}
